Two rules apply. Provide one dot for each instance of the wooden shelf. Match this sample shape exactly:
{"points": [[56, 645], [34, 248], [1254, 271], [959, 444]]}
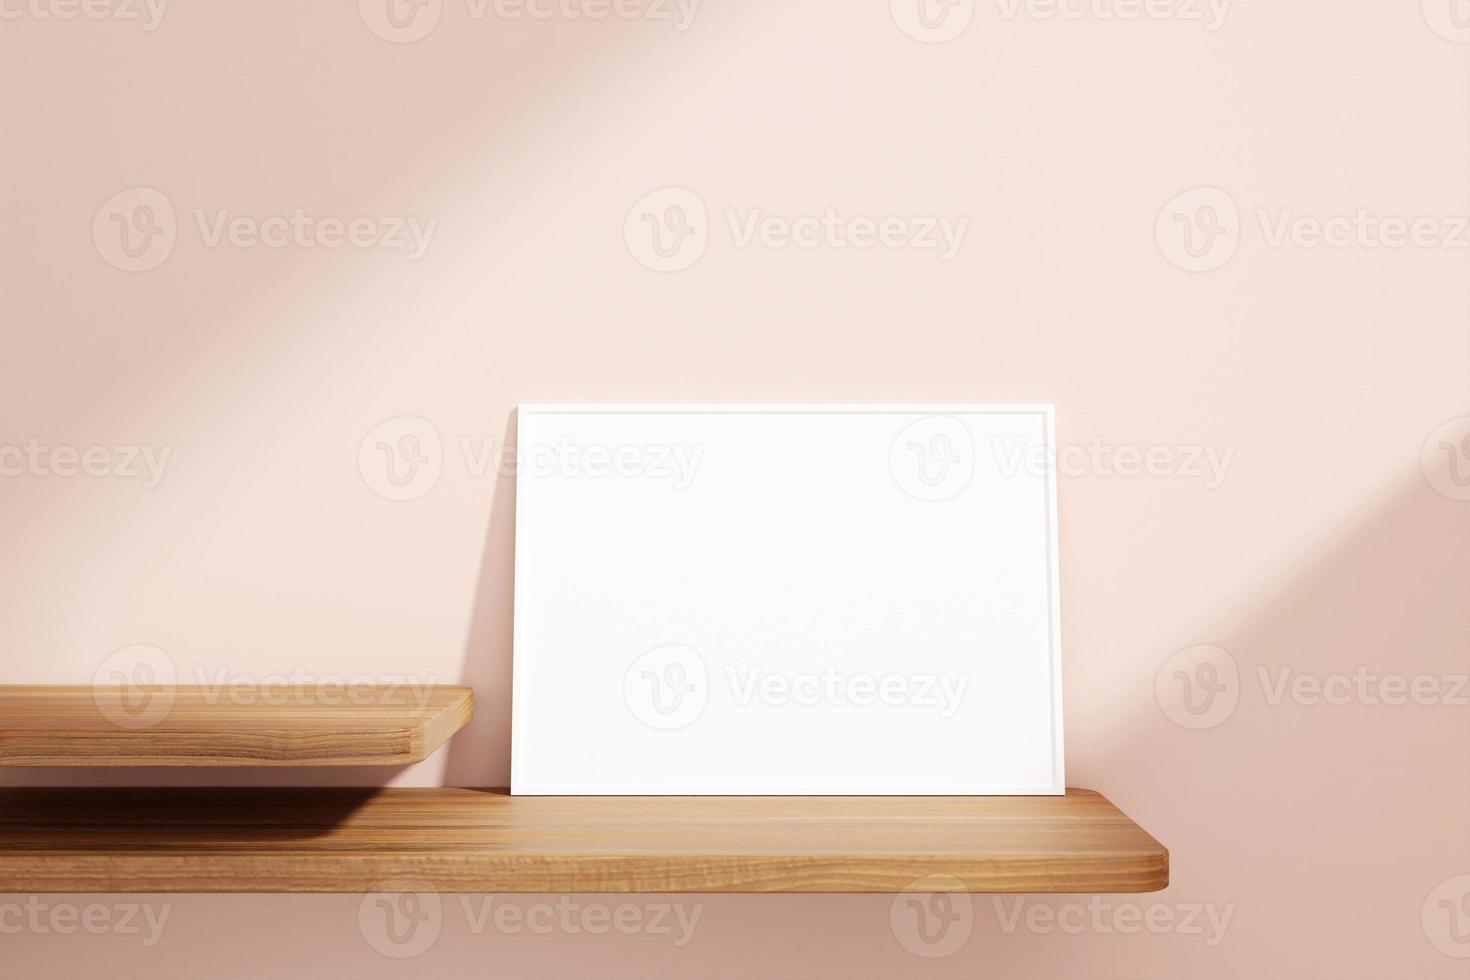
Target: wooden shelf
{"points": [[194, 726], [483, 841]]}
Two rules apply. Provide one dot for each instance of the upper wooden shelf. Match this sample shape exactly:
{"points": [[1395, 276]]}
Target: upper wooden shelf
{"points": [[481, 841], [230, 726]]}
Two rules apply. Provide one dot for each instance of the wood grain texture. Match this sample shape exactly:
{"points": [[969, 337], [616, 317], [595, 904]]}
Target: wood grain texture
{"points": [[229, 726], [484, 841]]}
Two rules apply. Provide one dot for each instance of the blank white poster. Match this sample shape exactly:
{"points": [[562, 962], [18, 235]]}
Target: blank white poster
{"points": [[786, 600]]}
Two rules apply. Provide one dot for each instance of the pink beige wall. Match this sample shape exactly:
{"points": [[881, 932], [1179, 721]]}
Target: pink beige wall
{"points": [[1311, 835]]}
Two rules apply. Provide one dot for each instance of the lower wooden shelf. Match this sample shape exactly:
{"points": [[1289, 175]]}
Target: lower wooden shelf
{"points": [[484, 841], [164, 725]]}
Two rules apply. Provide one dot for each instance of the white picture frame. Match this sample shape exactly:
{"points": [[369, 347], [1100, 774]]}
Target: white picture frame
{"points": [[786, 599]]}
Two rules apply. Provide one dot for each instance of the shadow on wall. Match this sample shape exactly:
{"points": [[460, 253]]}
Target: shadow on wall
{"points": [[1310, 772], [472, 79], [479, 755]]}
